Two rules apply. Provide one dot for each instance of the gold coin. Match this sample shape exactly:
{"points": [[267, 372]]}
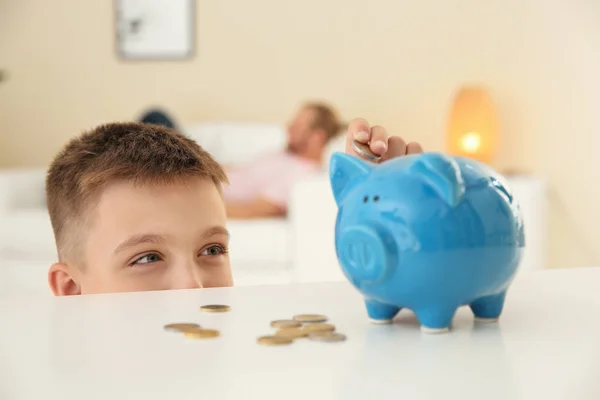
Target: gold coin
{"points": [[292, 333], [274, 340], [310, 318], [199, 333], [181, 327], [327, 336], [319, 327], [215, 308], [285, 323]]}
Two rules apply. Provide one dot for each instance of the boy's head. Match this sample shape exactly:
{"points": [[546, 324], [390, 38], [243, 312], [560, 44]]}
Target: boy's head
{"points": [[136, 207]]}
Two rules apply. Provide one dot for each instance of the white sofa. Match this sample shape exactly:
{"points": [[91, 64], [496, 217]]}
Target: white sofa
{"points": [[297, 248]]}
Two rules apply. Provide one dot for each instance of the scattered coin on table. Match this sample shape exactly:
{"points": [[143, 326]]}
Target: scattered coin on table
{"points": [[287, 331], [293, 333], [181, 327], [319, 327], [310, 318], [305, 325], [327, 336], [200, 333], [285, 323], [274, 340], [215, 308]]}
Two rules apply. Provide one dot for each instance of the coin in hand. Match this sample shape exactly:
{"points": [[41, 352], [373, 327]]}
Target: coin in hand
{"points": [[364, 150]]}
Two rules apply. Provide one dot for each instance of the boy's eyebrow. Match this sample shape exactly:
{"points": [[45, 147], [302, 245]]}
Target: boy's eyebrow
{"points": [[215, 230], [157, 239], [139, 239]]}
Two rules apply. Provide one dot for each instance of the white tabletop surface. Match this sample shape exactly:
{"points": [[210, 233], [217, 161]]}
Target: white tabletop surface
{"points": [[546, 346]]}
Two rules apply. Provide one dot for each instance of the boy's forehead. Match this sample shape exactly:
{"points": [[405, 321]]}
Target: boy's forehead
{"points": [[175, 186], [179, 215], [130, 207]]}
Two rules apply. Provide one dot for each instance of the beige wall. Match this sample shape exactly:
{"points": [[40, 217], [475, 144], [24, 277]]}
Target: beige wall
{"points": [[395, 63]]}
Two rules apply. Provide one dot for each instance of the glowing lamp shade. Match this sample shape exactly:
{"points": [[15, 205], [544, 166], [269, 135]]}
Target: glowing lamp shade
{"points": [[472, 125]]}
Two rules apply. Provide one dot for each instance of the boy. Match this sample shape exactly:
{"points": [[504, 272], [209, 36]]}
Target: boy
{"points": [[138, 207]]}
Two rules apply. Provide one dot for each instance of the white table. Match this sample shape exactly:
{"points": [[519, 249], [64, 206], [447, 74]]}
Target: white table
{"points": [[546, 346]]}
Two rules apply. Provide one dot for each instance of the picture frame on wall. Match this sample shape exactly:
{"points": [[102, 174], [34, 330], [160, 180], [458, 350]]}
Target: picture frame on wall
{"points": [[148, 30]]}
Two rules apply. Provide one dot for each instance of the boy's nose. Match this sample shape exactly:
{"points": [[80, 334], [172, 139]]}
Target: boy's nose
{"points": [[187, 278]]}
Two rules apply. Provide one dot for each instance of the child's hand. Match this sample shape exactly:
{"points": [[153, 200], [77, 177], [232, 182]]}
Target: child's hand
{"points": [[379, 142]]}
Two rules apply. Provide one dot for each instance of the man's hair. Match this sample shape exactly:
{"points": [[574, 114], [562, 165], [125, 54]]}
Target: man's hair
{"points": [[325, 118], [143, 154]]}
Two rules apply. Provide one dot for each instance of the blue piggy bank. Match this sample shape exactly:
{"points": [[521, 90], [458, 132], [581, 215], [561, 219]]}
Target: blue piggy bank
{"points": [[427, 232]]}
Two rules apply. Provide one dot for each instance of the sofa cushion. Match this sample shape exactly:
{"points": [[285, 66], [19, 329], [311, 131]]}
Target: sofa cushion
{"points": [[27, 234], [259, 244], [232, 143], [22, 188]]}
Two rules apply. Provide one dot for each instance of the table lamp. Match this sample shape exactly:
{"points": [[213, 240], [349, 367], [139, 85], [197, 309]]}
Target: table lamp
{"points": [[472, 129]]}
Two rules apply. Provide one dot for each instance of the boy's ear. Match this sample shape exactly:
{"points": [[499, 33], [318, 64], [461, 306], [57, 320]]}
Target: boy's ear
{"points": [[346, 171], [442, 174], [61, 282]]}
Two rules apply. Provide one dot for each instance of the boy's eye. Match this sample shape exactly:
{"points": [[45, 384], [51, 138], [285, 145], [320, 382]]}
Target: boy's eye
{"points": [[148, 259], [214, 250]]}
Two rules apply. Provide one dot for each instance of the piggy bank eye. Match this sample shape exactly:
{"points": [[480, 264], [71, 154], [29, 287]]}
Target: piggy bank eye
{"points": [[365, 199], [376, 198]]}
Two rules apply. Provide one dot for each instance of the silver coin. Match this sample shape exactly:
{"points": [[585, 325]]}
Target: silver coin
{"points": [[364, 150]]}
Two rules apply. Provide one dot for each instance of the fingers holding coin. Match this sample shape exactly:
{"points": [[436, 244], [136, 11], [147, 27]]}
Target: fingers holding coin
{"points": [[364, 141], [378, 142], [373, 143], [397, 147], [413, 148]]}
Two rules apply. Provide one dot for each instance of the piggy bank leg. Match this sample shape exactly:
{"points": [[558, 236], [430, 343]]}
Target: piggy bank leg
{"points": [[435, 320], [489, 308], [380, 313]]}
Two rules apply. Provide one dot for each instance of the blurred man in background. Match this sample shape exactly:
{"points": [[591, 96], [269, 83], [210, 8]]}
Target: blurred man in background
{"points": [[261, 188]]}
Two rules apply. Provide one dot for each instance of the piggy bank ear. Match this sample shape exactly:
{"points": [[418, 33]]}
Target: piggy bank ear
{"points": [[442, 174], [344, 172]]}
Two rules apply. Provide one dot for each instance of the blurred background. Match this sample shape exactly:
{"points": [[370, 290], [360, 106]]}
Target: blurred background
{"points": [[233, 73]]}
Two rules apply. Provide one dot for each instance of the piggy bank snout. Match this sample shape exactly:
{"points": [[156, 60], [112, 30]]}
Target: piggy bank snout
{"points": [[365, 253]]}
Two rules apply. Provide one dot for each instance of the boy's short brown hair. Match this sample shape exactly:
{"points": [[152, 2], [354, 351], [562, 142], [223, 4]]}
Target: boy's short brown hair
{"points": [[139, 153]]}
